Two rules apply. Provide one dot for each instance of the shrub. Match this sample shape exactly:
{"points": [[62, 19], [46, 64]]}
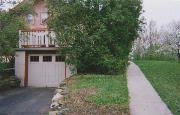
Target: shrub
{"points": [[2, 66], [96, 39]]}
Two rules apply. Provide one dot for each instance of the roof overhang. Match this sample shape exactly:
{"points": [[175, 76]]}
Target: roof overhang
{"points": [[37, 49]]}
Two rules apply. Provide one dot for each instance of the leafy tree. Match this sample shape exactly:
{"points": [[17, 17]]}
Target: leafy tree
{"points": [[96, 35], [10, 23], [154, 44]]}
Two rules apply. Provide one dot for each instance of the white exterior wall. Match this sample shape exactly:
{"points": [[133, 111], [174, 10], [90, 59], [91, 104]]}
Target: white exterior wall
{"points": [[20, 66]]}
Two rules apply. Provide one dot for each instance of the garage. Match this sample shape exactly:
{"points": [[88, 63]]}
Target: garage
{"points": [[41, 68], [45, 70]]}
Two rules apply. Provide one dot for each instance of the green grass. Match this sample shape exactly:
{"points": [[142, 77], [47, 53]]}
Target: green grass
{"points": [[110, 90], [165, 78]]}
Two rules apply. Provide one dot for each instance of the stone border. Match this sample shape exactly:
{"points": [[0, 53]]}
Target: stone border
{"points": [[57, 105]]}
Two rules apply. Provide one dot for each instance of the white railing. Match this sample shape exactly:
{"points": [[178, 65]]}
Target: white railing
{"points": [[38, 38]]}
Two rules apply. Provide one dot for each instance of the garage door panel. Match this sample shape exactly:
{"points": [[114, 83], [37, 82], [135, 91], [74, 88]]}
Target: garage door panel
{"points": [[51, 80], [35, 76], [46, 74], [60, 69]]}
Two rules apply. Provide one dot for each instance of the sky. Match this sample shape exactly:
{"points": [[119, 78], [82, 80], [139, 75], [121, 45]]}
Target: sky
{"points": [[162, 11]]}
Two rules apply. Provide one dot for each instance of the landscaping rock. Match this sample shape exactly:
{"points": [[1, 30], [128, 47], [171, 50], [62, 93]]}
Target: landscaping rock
{"points": [[14, 82], [53, 112], [9, 82], [58, 100], [1, 77], [55, 105], [62, 84], [63, 88], [4, 84], [62, 111], [61, 102], [57, 97], [65, 92], [59, 91]]}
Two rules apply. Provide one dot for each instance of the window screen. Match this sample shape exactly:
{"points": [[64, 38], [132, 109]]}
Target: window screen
{"points": [[34, 58], [47, 58], [44, 17], [30, 19]]}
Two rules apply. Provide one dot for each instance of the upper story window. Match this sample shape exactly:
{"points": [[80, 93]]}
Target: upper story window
{"points": [[44, 17], [30, 19]]}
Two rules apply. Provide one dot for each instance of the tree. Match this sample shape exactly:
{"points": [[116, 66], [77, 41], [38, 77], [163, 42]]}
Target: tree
{"points": [[10, 23], [170, 39], [147, 41], [158, 44], [96, 35]]}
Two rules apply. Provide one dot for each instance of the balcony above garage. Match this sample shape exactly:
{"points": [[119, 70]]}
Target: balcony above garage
{"points": [[37, 39]]}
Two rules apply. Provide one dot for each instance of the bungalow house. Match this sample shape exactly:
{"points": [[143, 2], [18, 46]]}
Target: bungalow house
{"points": [[37, 62]]}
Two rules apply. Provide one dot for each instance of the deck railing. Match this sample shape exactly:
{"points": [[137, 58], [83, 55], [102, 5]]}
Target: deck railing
{"points": [[37, 38]]}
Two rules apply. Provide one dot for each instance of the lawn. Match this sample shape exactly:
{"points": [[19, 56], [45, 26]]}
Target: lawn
{"points": [[99, 94], [165, 78]]}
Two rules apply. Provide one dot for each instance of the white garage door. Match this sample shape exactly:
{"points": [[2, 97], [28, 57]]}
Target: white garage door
{"points": [[45, 70]]}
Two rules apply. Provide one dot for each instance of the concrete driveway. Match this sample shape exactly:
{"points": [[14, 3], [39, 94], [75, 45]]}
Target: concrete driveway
{"points": [[26, 101]]}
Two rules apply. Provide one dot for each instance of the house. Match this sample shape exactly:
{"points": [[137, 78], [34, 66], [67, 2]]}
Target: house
{"points": [[37, 62]]}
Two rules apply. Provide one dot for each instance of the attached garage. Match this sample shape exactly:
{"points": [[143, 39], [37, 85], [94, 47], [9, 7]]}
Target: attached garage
{"points": [[45, 69]]}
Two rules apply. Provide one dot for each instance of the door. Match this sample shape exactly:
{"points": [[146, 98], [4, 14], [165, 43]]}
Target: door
{"points": [[45, 71]]}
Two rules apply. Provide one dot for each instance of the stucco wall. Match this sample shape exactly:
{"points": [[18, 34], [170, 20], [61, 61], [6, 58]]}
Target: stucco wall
{"points": [[39, 7], [20, 66]]}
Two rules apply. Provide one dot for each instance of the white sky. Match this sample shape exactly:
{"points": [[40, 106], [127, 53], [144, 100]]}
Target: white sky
{"points": [[162, 11]]}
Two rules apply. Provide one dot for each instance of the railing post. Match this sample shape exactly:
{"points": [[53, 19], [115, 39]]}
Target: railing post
{"points": [[20, 39], [46, 39]]}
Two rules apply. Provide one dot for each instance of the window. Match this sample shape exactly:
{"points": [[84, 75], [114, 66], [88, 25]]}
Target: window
{"points": [[34, 58], [60, 58], [44, 17], [47, 58], [30, 19]]}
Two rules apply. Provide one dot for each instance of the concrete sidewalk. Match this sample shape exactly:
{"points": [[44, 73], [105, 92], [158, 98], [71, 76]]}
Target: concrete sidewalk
{"points": [[144, 99]]}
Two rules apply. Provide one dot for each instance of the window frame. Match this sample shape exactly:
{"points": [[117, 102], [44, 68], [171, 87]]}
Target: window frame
{"points": [[47, 59], [41, 13], [33, 19], [34, 59]]}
